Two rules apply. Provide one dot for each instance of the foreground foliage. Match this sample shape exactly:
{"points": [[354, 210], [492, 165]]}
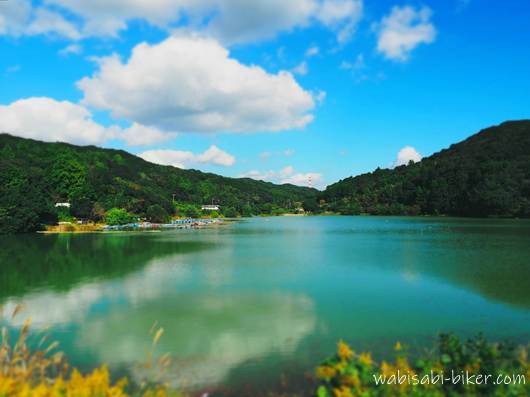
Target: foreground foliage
{"points": [[348, 374], [46, 373], [488, 174], [37, 369]]}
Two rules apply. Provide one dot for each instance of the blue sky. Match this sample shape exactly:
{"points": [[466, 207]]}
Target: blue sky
{"points": [[275, 90]]}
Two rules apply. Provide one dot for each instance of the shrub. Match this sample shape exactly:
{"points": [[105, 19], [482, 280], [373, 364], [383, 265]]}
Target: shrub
{"points": [[348, 374], [188, 210], [157, 213], [46, 373], [230, 212], [118, 216]]}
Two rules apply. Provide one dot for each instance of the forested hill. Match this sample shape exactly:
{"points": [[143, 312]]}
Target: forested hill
{"points": [[35, 175], [488, 174]]}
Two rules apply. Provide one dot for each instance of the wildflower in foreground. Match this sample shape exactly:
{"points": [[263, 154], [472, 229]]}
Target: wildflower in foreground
{"points": [[325, 372], [344, 351]]}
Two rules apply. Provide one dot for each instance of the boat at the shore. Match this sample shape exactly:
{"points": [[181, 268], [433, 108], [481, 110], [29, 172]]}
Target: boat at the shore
{"points": [[175, 224]]}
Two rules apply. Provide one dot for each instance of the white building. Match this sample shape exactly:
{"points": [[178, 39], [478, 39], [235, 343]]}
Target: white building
{"points": [[67, 205], [210, 207]]}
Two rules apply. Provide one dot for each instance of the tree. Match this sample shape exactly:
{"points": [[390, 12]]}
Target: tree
{"points": [[214, 214], [98, 212], [311, 206], [156, 213], [230, 212], [118, 216]]}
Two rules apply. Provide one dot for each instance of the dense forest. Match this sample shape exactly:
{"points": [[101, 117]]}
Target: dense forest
{"points": [[35, 175], [488, 174]]}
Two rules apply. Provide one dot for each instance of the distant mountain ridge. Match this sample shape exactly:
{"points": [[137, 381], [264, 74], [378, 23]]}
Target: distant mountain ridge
{"points": [[488, 174], [35, 175]]}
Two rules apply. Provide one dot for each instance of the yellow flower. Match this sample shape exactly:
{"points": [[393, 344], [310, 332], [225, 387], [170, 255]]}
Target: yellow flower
{"points": [[365, 359], [387, 369], [351, 381], [343, 391], [344, 351], [341, 365], [325, 372], [398, 346]]}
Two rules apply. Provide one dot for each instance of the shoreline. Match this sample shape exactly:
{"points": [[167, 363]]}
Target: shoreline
{"points": [[142, 227]]}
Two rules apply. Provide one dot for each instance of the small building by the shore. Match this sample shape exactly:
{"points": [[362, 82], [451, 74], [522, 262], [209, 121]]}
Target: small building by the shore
{"points": [[210, 207]]}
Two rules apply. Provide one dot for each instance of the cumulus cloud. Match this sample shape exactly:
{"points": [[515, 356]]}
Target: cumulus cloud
{"points": [[342, 15], [186, 159], [407, 154], [191, 84], [231, 21], [286, 175], [49, 120], [18, 18], [403, 30], [139, 135], [241, 21]]}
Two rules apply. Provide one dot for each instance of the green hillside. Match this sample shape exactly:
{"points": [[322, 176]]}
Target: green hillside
{"points": [[488, 174], [35, 175]]}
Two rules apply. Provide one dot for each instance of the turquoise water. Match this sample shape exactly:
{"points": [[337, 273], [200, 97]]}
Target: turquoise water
{"points": [[262, 301]]}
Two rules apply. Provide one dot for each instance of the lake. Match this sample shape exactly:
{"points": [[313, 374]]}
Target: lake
{"points": [[260, 302]]}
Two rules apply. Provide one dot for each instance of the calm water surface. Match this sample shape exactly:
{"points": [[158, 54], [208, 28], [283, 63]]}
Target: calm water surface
{"points": [[266, 299]]}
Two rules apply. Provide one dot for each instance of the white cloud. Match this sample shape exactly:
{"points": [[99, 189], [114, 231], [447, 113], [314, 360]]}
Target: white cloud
{"points": [[312, 51], [320, 96], [14, 15], [407, 154], [301, 69], [265, 156], [186, 159], [46, 21], [49, 120], [214, 155], [341, 15], [243, 21], [230, 21], [287, 171], [302, 179], [358, 64], [403, 30], [190, 84], [286, 175], [71, 49], [19, 18], [139, 135]]}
